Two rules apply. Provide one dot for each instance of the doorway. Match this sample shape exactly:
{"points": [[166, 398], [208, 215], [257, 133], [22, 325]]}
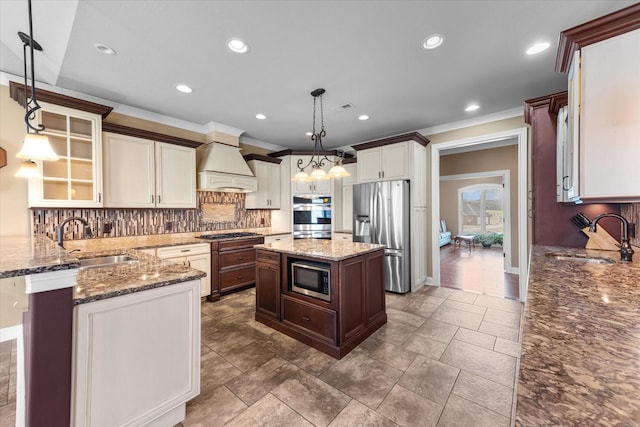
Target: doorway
{"points": [[518, 263]]}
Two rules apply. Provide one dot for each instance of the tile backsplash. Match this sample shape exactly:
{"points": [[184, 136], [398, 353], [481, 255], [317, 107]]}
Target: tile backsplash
{"points": [[631, 211], [215, 211]]}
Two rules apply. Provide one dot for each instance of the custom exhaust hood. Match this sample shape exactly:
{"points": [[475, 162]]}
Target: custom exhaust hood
{"points": [[222, 168]]}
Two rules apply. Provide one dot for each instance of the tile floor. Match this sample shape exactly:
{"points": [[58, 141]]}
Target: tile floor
{"points": [[445, 358]]}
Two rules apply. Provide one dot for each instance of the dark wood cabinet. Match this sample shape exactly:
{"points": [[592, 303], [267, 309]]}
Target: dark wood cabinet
{"points": [[268, 275], [356, 309], [551, 221], [233, 265], [311, 319]]}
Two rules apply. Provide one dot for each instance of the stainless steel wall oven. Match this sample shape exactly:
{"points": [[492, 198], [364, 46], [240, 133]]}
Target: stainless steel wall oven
{"points": [[312, 217]]}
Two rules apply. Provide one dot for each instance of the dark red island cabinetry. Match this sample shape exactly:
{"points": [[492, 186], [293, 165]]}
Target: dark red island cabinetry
{"points": [[357, 298]]}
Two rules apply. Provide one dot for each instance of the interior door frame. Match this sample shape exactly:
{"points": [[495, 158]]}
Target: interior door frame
{"points": [[520, 134], [506, 207]]}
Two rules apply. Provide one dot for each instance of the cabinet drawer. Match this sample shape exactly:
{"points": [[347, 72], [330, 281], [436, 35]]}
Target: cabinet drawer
{"points": [[268, 257], [240, 243], [233, 258], [238, 277], [183, 250], [318, 320]]}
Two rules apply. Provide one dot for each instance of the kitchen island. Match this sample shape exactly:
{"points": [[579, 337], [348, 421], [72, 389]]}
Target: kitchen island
{"points": [[353, 307], [580, 363]]}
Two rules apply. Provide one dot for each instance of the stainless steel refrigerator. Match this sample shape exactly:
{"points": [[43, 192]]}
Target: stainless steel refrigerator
{"points": [[381, 213]]}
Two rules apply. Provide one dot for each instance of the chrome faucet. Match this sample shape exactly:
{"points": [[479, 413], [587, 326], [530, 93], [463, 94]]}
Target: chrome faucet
{"points": [[87, 229], [626, 251]]}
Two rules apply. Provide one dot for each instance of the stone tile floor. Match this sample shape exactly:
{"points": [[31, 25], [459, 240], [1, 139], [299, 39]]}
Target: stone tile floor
{"points": [[445, 358]]}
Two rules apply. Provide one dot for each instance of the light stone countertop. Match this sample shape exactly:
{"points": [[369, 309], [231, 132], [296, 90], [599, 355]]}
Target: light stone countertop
{"points": [[21, 256], [157, 240], [580, 361], [323, 249], [149, 272]]}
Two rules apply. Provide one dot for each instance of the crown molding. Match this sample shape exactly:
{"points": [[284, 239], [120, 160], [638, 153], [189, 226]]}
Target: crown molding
{"points": [[596, 30]]}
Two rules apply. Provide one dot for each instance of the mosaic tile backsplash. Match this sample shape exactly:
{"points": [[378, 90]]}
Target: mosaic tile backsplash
{"points": [[631, 212], [215, 211]]}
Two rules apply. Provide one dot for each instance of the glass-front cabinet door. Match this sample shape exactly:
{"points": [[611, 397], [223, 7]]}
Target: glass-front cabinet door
{"points": [[75, 179]]}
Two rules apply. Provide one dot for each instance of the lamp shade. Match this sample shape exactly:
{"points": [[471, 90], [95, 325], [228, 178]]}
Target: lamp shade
{"points": [[300, 177], [28, 169], [338, 171], [37, 147], [318, 173]]}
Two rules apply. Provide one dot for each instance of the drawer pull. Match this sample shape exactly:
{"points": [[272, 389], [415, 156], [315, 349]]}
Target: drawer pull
{"points": [[239, 277], [185, 250], [307, 318], [240, 258]]}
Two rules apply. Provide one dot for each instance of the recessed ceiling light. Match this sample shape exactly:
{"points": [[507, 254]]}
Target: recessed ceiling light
{"points": [[237, 46], [103, 48], [363, 117], [261, 116], [472, 107], [183, 88], [432, 41], [538, 47]]}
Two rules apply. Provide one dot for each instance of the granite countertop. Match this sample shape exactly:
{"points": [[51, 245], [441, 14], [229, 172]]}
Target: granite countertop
{"points": [[157, 240], [21, 256], [580, 361], [149, 272], [324, 249]]}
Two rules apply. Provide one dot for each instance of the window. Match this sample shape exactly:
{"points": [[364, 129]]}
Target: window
{"points": [[481, 208]]}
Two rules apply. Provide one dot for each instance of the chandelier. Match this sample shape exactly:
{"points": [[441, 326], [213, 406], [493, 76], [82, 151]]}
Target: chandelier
{"points": [[318, 157], [36, 146]]}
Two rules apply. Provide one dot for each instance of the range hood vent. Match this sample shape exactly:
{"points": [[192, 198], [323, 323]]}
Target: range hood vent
{"points": [[222, 168]]}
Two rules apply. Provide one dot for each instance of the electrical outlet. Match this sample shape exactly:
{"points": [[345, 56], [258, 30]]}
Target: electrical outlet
{"points": [[168, 225], [106, 228]]}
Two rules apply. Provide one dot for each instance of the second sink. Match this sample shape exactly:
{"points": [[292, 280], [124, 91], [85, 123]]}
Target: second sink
{"points": [[580, 258], [106, 261]]}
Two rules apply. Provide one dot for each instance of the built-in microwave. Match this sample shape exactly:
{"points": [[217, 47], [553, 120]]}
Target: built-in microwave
{"points": [[312, 279]]}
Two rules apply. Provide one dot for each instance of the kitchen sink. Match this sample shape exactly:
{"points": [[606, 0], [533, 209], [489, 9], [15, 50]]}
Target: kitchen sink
{"points": [[580, 258], [106, 261]]}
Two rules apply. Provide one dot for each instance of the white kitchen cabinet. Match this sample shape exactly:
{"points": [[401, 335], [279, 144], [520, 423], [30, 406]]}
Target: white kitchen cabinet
{"points": [[75, 180], [275, 238], [268, 194], [196, 256], [566, 165], [352, 168], [347, 207], [322, 187], [140, 173], [384, 163], [600, 158], [348, 237], [610, 118], [136, 358], [418, 174], [418, 247]]}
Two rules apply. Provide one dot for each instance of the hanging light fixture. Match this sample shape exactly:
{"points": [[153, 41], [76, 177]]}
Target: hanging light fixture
{"points": [[318, 157], [36, 146]]}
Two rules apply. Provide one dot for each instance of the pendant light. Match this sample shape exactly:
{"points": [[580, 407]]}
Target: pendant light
{"points": [[36, 146], [318, 157]]}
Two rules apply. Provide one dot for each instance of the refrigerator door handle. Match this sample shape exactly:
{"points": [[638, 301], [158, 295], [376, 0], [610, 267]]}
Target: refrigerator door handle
{"points": [[394, 253]]}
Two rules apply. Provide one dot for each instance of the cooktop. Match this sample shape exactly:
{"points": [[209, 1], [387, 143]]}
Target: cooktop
{"points": [[228, 235]]}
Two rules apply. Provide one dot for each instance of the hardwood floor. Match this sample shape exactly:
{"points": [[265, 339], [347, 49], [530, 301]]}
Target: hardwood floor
{"points": [[479, 270]]}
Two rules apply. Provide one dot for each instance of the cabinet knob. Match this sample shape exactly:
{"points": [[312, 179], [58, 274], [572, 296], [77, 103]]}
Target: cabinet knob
{"points": [[240, 258], [239, 277], [307, 318]]}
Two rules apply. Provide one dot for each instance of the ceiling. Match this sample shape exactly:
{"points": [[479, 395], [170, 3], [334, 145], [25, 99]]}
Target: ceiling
{"points": [[364, 53]]}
